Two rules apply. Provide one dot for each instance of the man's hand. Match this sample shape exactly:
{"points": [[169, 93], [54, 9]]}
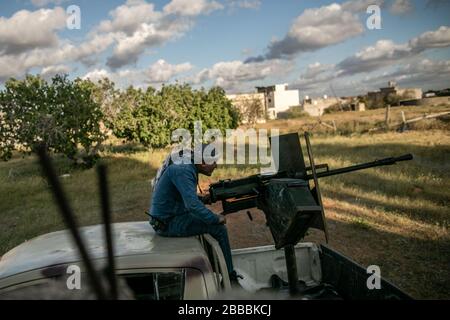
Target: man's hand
{"points": [[206, 199], [222, 219]]}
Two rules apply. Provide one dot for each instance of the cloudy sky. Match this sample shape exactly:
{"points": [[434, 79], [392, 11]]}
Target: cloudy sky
{"points": [[238, 44]]}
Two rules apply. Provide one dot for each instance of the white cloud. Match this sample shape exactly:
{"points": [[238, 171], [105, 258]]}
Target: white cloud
{"points": [[361, 5], [238, 76], [315, 29], [419, 73], [319, 28], [423, 72], [98, 74], [137, 26], [43, 3], [382, 54], [316, 69], [130, 16], [199, 78], [30, 39], [385, 52], [9, 67], [161, 71], [27, 30], [400, 7], [156, 74], [316, 77], [191, 7], [245, 4], [51, 71], [19, 64], [129, 48], [432, 39]]}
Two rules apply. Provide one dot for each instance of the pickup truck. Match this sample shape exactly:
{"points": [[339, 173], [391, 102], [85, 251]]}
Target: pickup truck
{"points": [[158, 268]]}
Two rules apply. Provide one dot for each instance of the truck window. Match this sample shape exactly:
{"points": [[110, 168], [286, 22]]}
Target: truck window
{"points": [[156, 286]]}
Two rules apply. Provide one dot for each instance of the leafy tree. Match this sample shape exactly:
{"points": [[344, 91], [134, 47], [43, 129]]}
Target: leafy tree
{"points": [[150, 117], [392, 99], [105, 94], [74, 117], [60, 116]]}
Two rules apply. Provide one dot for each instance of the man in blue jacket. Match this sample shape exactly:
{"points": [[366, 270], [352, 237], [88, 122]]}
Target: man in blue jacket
{"points": [[177, 211]]}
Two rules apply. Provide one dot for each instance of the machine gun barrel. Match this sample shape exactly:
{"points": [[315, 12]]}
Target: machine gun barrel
{"points": [[376, 163], [248, 187]]}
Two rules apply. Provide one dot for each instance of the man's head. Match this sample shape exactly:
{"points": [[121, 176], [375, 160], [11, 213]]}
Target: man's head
{"points": [[205, 161], [210, 163]]}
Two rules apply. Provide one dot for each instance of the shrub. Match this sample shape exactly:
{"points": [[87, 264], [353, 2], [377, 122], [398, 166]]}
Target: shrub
{"points": [[293, 113]]}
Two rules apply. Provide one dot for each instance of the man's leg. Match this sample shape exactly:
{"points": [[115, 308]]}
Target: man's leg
{"points": [[219, 232], [188, 225]]}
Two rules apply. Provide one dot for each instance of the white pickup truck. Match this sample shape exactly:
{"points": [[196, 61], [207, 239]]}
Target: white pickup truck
{"points": [[158, 268]]}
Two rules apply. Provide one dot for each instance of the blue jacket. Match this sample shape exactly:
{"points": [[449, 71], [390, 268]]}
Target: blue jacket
{"points": [[176, 194]]}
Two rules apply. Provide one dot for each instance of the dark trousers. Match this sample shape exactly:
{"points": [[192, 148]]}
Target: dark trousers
{"points": [[187, 225]]}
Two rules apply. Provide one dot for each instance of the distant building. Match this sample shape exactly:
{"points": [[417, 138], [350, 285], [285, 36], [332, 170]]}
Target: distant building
{"points": [[406, 94], [272, 99], [316, 107], [359, 106], [252, 106], [278, 99]]}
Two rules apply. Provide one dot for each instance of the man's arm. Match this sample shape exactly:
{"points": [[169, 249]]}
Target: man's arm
{"points": [[185, 181]]}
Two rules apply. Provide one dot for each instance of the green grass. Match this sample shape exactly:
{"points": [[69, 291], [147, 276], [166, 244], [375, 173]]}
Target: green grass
{"points": [[401, 212], [360, 223]]}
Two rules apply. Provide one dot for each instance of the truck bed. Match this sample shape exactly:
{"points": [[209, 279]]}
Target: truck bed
{"points": [[322, 274]]}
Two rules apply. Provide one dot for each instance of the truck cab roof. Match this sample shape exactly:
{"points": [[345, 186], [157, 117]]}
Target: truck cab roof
{"points": [[129, 238]]}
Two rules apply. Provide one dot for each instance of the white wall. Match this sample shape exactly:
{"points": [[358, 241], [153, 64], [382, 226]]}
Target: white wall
{"points": [[284, 99], [317, 106]]}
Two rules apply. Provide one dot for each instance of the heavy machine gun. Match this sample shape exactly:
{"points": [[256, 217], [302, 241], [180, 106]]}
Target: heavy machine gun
{"points": [[290, 198]]}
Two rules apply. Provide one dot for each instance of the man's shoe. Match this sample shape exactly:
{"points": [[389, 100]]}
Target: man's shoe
{"points": [[234, 278]]}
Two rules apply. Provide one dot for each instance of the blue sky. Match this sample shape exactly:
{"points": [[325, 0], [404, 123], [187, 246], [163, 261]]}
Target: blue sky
{"points": [[237, 44]]}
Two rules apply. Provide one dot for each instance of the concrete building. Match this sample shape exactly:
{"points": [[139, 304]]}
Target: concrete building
{"points": [[405, 94], [352, 104], [279, 99], [252, 106], [316, 107]]}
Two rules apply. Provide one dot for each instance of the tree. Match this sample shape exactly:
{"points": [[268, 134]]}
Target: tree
{"points": [[252, 110], [105, 94], [150, 117], [60, 116], [392, 99]]}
